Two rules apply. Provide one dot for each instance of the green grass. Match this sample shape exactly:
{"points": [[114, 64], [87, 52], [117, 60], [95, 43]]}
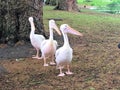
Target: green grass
{"points": [[83, 21], [95, 2]]}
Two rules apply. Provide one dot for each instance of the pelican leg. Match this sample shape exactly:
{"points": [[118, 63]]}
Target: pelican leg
{"points": [[68, 72], [52, 62], [37, 54], [61, 73], [40, 57], [45, 64]]}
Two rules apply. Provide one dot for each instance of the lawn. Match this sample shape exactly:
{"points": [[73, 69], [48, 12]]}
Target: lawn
{"points": [[96, 57]]}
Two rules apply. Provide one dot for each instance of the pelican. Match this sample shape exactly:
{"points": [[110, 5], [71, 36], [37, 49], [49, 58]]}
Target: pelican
{"points": [[35, 39], [48, 47], [65, 53]]}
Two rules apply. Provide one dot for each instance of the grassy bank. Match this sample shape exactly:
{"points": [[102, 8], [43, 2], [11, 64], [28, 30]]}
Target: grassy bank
{"points": [[84, 20]]}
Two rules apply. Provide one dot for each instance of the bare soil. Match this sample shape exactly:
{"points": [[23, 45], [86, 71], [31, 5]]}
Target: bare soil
{"points": [[95, 64]]}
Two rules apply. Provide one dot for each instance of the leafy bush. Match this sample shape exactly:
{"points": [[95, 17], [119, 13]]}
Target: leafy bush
{"points": [[114, 7]]}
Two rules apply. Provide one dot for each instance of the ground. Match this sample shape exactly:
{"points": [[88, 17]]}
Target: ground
{"points": [[95, 64]]}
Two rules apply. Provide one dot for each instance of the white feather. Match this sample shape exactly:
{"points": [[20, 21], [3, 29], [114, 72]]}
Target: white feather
{"points": [[35, 39]]}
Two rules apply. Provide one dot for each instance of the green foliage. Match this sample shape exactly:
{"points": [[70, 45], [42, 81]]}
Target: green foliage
{"points": [[110, 6], [95, 2], [114, 7]]}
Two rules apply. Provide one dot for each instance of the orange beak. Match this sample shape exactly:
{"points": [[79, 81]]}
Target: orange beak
{"points": [[56, 28], [73, 31]]}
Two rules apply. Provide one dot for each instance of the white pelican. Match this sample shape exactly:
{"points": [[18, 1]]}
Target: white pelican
{"points": [[48, 47], [65, 53], [35, 39]]}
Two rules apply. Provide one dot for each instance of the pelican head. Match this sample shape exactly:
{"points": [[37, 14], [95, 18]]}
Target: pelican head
{"points": [[30, 19], [53, 25], [67, 29]]}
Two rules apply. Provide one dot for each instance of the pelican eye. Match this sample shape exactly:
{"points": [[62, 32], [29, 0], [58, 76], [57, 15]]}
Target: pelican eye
{"points": [[65, 27]]}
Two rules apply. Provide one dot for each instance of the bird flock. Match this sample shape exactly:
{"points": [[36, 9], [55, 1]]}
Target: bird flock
{"points": [[60, 57]]}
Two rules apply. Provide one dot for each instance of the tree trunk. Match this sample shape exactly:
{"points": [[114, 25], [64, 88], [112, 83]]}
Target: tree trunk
{"points": [[51, 2], [14, 14], [68, 5]]}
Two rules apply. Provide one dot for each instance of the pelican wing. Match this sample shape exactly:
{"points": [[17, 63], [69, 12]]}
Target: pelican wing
{"points": [[39, 38], [43, 43], [55, 43], [36, 40], [63, 55]]}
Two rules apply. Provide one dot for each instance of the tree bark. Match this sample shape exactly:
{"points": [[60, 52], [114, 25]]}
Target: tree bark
{"points": [[14, 14], [67, 5], [51, 2]]}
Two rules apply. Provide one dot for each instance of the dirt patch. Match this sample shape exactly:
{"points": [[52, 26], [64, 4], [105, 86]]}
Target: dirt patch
{"points": [[19, 51], [96, 66]]}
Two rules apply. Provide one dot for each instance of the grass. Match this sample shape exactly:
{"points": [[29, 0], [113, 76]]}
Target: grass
{"points": [[84, 20], [95, 2]]}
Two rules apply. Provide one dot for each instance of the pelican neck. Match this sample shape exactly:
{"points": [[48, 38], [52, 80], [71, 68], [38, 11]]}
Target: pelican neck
{"points": [[65, 37], [32, 27], [51, 34]]}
